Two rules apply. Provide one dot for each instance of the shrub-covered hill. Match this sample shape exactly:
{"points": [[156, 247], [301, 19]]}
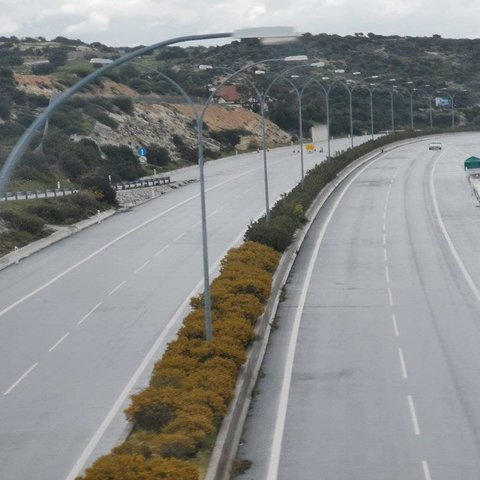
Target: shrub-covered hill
{"points": [[99, 131]]}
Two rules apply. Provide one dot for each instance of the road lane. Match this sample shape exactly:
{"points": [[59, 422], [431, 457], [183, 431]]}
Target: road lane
{"points": [[119, 290], [385, 375]]}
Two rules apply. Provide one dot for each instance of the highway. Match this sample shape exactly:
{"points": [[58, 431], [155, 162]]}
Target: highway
{"points": [[82, 321], [374, 370]]}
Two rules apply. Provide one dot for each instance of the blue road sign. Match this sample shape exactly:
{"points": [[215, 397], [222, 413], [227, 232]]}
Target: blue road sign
{"points": [[142, 151]]}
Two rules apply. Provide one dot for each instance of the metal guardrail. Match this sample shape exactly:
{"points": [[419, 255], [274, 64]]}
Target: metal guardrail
{"points": [[150, 182], [63, 192], [36, 194]]}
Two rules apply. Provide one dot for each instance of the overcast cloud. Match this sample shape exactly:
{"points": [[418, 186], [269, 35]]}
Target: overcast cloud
{"points": [[134, 22]]}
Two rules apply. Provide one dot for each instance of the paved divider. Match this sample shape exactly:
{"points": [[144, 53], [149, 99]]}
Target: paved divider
{"points": [[231, 429]]}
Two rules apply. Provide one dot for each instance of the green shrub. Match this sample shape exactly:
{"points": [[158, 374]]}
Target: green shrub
{"points": [[26, 222], [125, 104]]}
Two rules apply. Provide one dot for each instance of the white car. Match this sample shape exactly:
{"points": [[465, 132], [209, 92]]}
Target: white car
{"points": [[435, 146]]}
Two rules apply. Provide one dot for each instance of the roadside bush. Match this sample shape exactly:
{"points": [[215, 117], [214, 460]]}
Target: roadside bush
{"points": [[137, 467], [153, 408], [158, 155], [23, 221], [100, 189], [152, 445], [193, 383]]}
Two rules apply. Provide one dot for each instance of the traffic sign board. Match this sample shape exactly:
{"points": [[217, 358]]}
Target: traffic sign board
{"points": [[142, 151]]}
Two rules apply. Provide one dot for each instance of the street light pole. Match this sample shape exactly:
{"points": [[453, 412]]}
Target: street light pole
{"points": [[271, 34], [274, 33]]}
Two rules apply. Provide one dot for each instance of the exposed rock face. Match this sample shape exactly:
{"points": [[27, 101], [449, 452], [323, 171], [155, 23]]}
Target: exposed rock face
{"points": [[157, 123]]}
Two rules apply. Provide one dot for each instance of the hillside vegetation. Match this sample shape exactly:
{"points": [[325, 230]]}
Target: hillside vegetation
{"points": [[99, 131]]}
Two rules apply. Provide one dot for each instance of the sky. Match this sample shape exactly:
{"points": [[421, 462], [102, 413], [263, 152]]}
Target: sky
{"points": [[144, 22]]}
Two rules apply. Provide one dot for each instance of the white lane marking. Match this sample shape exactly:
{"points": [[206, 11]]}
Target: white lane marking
{"points": [[195, 225], [390, 297], [384, 239], [426, 470], [384, 215], [6, 392], [385, 256], [402, 363], [51, 349], [118, 287], [276, 448], [125, 393], [413, 414], [385, 207], [179, 237], [455, 254], [387, 274], [89, 313], [141, 267], [121, 237], [395, 325], [384, 227], [162, 250]]}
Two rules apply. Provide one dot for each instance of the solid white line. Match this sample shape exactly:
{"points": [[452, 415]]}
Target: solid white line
{"points": [[121, 237], [395, 326], [387, 274], [120, 285], [413, 414], [89, 313], [455, 254], [20, 379], [390, 297], [426, 470], [402, 364], [385, 256], [125, 393], [59, 342], [141, 267], [276, 448], [179, 237]]}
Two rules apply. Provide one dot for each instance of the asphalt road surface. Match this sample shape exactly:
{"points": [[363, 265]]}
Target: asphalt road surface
{"points": [[82, 322], [374, 370]]}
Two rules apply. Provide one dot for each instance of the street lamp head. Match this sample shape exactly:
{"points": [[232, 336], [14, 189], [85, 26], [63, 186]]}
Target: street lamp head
{"points": [[294, 76], [268, 35], [356, 73], [375, 77], [260, 72], [205, 67], [392, 79], [296, 58], [317, 64], [325, 78], [410, 83], [339, 70]]}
